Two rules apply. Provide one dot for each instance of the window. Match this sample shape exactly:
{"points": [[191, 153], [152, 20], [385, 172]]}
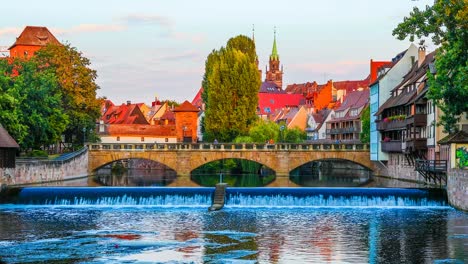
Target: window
{"points": [[118, 138], [142, 139], [267, 110], [166, 140]]}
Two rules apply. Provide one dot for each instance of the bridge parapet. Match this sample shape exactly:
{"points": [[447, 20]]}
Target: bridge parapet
{"points": [[228, 147]]}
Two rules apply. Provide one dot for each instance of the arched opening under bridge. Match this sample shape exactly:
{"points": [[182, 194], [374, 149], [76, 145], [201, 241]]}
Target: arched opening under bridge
{"points": [[331, 173], [235, 172], [134, 172]]}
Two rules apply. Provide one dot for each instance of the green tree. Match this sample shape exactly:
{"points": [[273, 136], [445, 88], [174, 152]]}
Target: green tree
{"points": [[41, 107], [30, 105], [263, 131], [364, 136], [76, 81], [231, 84], [294, 135], [446, 22], [170, 103], [10, 104]]}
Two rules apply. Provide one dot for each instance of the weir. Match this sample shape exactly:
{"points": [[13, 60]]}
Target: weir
{"points": [[235, 197]]}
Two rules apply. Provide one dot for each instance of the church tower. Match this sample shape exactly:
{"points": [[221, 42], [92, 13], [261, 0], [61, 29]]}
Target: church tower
{"points": [[274, 74]]}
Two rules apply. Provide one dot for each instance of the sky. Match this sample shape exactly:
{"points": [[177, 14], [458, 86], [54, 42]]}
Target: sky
{"points": [[147, 48]]}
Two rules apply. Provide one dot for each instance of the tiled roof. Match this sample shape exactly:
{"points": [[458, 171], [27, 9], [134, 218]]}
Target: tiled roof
{"points": [[413, 76], [350, 86], [416, 72], [398, 100], [35, 36], [457, 137], [270, 87], [186, 107], [276, 101], [124, 114], [168, 115], [197, 100], [140, 130], [303, 88], [354, 99], [6, 141]]}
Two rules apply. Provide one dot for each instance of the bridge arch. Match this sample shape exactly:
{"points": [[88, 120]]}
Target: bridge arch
{"points": [[185, 157], [234, 171], [98, 160]]}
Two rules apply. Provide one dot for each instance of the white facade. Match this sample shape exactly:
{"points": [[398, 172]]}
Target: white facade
{"points": [[380, 92], [323, 129]]}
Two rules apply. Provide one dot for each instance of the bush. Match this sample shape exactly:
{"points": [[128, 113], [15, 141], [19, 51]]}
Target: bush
{"points": [[38, 153]]}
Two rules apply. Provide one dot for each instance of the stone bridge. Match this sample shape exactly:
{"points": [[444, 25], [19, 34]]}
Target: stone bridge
{"points": [[185, 157]]}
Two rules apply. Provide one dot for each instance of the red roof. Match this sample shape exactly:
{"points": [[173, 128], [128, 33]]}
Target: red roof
{"points": [[186, 107], [168, 115], [375, 66], [140, 130], [197, 100], [35, 36], [350, 86], [304, 88], [269, 102], [123, 114]]}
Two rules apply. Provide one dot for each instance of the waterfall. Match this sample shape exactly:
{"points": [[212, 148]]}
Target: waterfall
{"points": [[235, 197]]}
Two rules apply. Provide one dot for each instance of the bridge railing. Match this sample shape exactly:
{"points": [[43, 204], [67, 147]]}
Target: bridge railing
{"points": [[227, 147]]}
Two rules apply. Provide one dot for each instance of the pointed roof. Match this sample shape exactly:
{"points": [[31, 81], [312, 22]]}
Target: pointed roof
{"points": [[6, 141], [186, 107], [35, 36], [274, 53]]}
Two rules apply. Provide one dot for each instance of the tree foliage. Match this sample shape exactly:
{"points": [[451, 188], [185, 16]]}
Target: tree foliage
{"points": [[76, 81], [446, 22], [230, 84], [30, 107], [364, 136], [264, 131], [10, 104]]}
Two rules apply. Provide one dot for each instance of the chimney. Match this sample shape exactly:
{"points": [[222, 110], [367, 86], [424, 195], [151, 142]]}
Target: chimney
{"points": [[129, 102], [421, 55]]}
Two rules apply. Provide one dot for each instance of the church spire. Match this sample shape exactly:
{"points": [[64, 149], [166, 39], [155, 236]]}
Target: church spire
{"points": [[253, 32], [274, 53]]}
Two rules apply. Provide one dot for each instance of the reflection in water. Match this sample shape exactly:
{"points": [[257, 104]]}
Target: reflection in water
{"points": [[235, 172], [134, 172], [331, 173], [252, 235]]}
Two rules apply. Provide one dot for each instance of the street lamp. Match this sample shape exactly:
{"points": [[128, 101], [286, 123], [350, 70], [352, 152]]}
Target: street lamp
{"points": [[282, 127], [84, 135]]}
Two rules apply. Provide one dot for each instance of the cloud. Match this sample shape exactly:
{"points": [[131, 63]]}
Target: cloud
{"points": [[10, 31], [90, 28], [166, 24]]}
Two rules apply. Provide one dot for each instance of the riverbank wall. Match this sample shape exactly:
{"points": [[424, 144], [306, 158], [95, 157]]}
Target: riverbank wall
{"points": [[457, 181], [37, 171], [457, 188]]}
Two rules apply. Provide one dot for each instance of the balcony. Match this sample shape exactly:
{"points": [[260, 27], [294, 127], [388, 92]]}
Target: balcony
{"points": [[413, 144], [391, 125], [432, 170], [391, 146], [344, 130], [418, 120]]}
